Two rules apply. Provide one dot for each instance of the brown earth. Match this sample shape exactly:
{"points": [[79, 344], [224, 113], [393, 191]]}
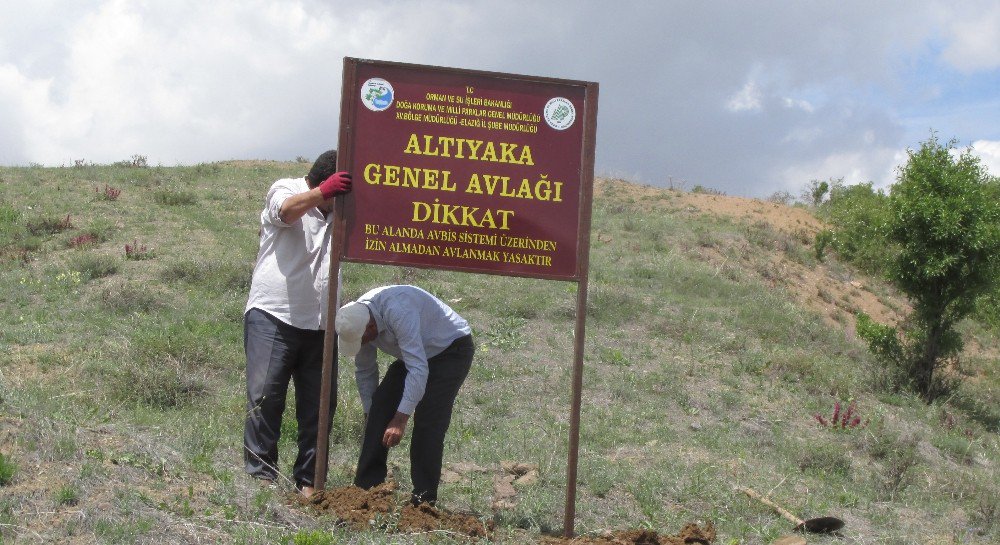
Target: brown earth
{"points": [[379, 506]]}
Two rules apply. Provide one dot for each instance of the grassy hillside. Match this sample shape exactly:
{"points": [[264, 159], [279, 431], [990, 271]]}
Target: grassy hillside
{"points": [[714, 336]]}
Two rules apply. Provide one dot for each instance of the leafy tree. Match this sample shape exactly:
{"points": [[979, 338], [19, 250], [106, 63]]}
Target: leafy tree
{"points": [[945, 219], [815, 192], [858, 214]]}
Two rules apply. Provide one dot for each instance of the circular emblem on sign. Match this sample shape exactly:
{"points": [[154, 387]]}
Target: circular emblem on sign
{"points": [[376, 93], [560, 113]]}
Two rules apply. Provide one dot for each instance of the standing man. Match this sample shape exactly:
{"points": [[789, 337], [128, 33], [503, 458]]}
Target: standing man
{"points": [[433, 346], [286, 317]]}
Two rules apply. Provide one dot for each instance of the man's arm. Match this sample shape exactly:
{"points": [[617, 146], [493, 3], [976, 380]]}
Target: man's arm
{"points": [[406, 326], [296, 206]]}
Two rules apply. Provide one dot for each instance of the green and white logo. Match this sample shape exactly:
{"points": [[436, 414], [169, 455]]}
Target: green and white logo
{"points": [[560, 113]]}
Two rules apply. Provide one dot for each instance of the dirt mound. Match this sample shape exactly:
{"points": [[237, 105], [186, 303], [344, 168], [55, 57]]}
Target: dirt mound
{"points": [[360, 508], [379, 505], [424, 518], [355, 506], [690, 534]]}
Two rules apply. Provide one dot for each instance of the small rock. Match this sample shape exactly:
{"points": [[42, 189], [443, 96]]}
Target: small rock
{"points": [[696, 426]]}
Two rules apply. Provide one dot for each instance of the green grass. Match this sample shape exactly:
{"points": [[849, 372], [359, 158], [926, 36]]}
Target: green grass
{"points": [[67, 495], [7, 470], [125, 377]]}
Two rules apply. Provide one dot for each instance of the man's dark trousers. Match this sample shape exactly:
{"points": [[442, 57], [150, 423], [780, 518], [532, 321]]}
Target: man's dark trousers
{"points": [[276, 353], [446, 373]]}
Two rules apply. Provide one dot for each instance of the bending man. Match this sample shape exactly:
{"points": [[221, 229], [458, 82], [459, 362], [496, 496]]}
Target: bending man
{"points": [[433, 348]]}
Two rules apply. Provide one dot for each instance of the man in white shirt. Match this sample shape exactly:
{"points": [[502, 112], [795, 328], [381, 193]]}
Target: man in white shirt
{"points": [[433, 348], [285, 318]]}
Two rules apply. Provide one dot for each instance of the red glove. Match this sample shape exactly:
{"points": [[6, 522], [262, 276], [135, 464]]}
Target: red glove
{"points": [[337, 184]]}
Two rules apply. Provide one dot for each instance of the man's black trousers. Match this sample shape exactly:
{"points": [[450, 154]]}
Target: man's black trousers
{"points": [[430, 420], [277, 353]]}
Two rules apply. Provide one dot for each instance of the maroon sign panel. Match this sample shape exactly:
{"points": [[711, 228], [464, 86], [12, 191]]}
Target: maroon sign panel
{"points": [[466, 170]]}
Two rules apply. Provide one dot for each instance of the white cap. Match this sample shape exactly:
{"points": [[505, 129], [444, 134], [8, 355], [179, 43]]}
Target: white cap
{"points": [[352, 320]]}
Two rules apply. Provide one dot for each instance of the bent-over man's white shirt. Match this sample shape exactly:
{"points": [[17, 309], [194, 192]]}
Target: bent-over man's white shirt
{"points": [[413, 326], [291, 278]]}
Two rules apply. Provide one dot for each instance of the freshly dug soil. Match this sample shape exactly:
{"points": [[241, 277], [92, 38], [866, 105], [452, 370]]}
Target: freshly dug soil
{"points": [[424, 518], [361, 508], [355, 506]]}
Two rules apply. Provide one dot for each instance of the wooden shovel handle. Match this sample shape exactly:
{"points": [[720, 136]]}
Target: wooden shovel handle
{"points": [[753, 494]]}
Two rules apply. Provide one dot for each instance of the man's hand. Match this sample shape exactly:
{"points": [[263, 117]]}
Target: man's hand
{"points": [[337, 184], [394, 431]]}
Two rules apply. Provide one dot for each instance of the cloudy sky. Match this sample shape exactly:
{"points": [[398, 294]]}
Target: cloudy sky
{"points": [[746, 97]]}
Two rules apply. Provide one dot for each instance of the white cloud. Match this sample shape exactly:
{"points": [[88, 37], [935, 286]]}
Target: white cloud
{"points": [[974, 38], [802, 135], [207, 81], [28, 115], [798, 104], [746, 99], [989, 153], [876, 165]]}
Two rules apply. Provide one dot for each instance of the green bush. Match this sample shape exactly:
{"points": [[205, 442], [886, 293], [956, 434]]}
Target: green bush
{"points": [[93, 266], [955, 446], [50, 225], [215, 275], [824, 459], [315, 537], [164, 384], [7, 470], [507, 334], [884, 343], [168, 364], [67, 495], [130, 298], [100, 229], [174, 197], [945, 221], [824, 239], [859, 215]]}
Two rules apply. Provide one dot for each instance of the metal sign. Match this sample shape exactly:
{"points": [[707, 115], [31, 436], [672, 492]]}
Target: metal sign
{"points": [[471, 171], [463, 170]]}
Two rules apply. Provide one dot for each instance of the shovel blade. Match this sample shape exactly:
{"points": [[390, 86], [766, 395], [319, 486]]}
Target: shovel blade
{"points": [[820, 525]]}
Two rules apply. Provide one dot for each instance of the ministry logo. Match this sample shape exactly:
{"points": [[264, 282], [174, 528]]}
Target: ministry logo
{"points": [[377, 94], [559, 113]]}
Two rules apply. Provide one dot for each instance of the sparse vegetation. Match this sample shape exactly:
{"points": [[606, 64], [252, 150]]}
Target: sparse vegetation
{"points": [[124, 377]]}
